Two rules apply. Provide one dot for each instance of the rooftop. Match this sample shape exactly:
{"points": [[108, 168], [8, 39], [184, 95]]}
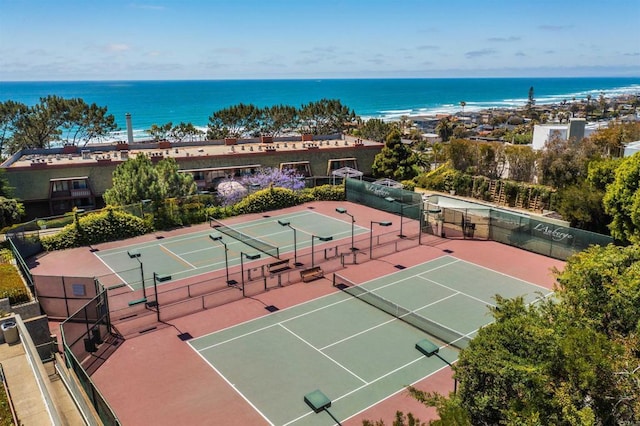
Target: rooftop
{"points": [[105, 153]]}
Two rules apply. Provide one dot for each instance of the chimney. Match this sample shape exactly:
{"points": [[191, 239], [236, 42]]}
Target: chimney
{"points": [[129, 129]]}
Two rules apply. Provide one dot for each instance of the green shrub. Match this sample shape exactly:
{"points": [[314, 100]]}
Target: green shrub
{"points": [[409, 185], [323, 193], [94, 228], [12, 286], [219, 212], [6, 255], [58, 222], [267, 199]]}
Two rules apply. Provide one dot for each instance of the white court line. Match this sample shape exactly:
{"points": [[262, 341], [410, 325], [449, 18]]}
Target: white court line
{"points": [[271, 325], [506, 275], [178, 238], [453, 289], [115, 273], [317, 309], [386, 322], [177, 255], [325, 355], [232, 386]]}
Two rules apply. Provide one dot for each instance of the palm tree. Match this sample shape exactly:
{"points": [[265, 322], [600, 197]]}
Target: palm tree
{"points": [[463, 104], [444, 129]]}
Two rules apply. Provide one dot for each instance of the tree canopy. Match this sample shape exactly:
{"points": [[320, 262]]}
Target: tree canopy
{"points": [[396, 160], [322, 117], [54, 119], [138, 179], [569, 360], [622, 201]]}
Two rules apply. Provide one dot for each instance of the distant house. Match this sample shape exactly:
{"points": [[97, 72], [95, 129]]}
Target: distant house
{"points": [[577, 129]]}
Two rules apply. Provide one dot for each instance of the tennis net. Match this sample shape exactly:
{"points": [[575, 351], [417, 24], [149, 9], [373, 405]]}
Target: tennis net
{"points": [[441, 332], [257, 244]]}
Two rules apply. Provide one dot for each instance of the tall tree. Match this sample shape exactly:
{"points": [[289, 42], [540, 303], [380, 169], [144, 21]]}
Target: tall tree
{"points": [[53, 120], [183, 131], [234, 121], [138, 179], [564, 162], [395, 160], [521, 160], [622, 201], [325, 116], [444, 129], [41, 125], [275, 120], [530, 98], [375, 129], [86, 123], [159, 132], [463, 155], [10, 113]]}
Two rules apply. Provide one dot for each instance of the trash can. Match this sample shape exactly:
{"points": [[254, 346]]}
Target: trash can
{"points": [[10, 331]]}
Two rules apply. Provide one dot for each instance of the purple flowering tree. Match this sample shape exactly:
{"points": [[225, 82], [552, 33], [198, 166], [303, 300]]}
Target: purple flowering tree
{"points": [[231, 191]]}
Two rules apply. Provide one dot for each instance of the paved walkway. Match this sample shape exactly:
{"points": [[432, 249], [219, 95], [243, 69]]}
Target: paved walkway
{"points": [[25, 392]]}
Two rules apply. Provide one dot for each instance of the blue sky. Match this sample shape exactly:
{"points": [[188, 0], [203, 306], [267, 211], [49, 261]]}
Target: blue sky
{"points": [[272, 39]]}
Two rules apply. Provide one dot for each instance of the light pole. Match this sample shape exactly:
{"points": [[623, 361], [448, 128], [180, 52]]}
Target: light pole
{"points": [[428, 348], [249, 257], [295, 242], [218, 238], [401, 204], [313, 237], [135, 254], [342, 210], [383, 223]]}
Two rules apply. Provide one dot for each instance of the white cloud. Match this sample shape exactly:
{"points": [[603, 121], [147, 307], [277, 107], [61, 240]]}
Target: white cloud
{"points": [[117, 47]]}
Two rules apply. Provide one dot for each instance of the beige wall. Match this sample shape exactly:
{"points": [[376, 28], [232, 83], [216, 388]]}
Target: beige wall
{"points": [[32, 183]]}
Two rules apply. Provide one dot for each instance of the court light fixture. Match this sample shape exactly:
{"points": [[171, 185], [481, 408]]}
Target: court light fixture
{"points": [[218, 239], [401, 204], [295, 240], [135, 254], [429, 349], [319, 402], [381, 223], [313, 238], [342, 210], [248, 256]]}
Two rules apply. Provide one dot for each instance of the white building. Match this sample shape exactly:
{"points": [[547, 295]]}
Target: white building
{"points": [[577, 129]]}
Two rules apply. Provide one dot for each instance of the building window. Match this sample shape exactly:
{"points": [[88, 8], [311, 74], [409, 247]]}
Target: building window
{"points": [[60, 186], [79, 184]]}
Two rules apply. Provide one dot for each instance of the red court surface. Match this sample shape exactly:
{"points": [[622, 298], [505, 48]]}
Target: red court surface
{"points": [[156, 378]]}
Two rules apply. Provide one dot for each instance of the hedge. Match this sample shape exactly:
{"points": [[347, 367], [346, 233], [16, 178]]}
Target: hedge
{"points": [[107, 225], [12, 286]]}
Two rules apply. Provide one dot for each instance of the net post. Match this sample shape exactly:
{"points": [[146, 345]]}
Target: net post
{"points": [[333, 280]]}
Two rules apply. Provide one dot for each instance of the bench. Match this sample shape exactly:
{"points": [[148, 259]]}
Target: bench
{"points": [[311, 274], [278, 267]]}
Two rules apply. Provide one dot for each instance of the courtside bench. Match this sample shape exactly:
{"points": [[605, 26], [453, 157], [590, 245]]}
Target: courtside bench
{"points": [[278, 267], [311, 274]]}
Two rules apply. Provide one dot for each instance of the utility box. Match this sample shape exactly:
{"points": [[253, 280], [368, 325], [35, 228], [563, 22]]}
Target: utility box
{"points": [[10, 332]]}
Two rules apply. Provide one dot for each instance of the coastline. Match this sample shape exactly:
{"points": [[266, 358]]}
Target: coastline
{"points": [[160, 102]]}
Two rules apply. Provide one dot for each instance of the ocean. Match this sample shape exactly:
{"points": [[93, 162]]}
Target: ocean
{"points": [[160, 102]]}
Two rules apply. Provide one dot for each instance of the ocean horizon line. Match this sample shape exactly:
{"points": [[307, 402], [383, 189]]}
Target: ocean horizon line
{"points": [[311, 79]]}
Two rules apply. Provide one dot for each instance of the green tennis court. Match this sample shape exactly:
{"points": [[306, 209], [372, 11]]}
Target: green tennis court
{"points": [[196, 253], [353, 352]]}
